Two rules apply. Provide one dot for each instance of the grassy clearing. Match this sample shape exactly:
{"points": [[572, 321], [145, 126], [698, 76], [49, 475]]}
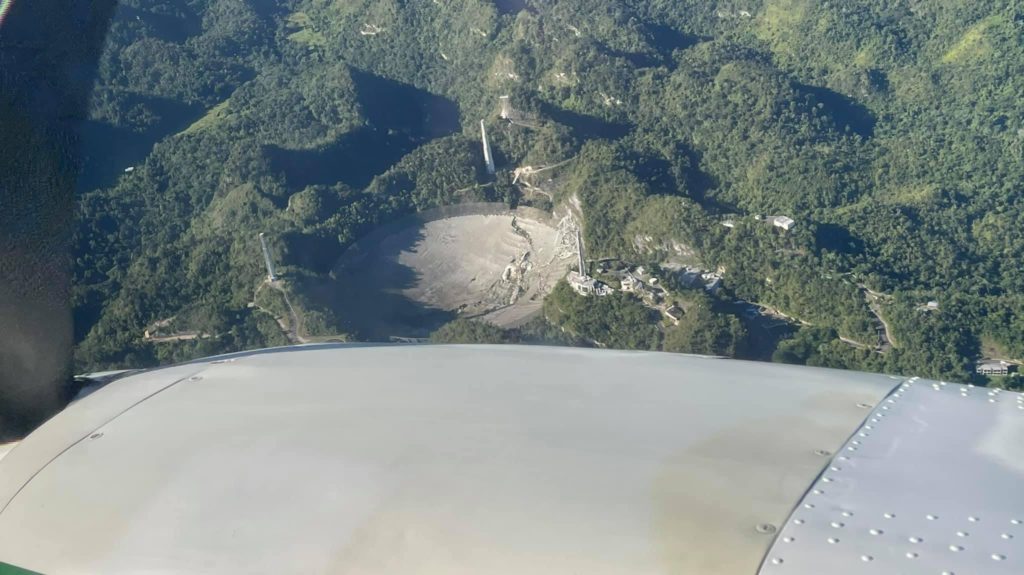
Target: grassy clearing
{"points": [[212, 117], [304, 33], [975, 44]]}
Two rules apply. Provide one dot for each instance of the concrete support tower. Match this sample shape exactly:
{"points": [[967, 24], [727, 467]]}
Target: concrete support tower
{"points": [[488, 157], [579, 253], [266, 258]]}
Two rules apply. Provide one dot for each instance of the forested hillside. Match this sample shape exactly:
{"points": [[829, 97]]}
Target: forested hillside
{"points": [[891, 132]]}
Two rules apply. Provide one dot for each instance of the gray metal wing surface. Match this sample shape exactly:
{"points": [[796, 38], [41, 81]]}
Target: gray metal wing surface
{"points": [[479, 459]]}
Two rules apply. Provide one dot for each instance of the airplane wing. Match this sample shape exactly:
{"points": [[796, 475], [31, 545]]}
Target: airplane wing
{"points": [[480, 459]]}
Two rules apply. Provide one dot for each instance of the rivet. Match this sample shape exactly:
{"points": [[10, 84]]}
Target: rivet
{"points": [[766, 528], [826, 479], [993, 401], [798, 521], [834, 468], [875, 531], [808, 506], [962, 534], [96, 435], [885, 408], [837, 525], [890, 401], [955, 548], [948, 573], [991, 394], [843, 458], [851, 448], [833, 540], [868, 427], [931, 517], [864, 405], [915, 540], [866, 558], [847, 514], [1015, 521], [888, 515], [788, 539], [911, 555], [777, 560], [998, 557], [973, 519], [862, 434], [822, 452], [1006, 536], [818, 492]]}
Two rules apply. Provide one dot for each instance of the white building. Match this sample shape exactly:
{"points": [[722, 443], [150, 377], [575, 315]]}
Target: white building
{"points": [[630, 284], [996, 367], [712, 282], [783, 222], [675, 313], [584, 285]]}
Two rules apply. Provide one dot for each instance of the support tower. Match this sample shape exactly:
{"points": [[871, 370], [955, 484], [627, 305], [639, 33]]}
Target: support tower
{"points": [[488, 157], [266, 258]]}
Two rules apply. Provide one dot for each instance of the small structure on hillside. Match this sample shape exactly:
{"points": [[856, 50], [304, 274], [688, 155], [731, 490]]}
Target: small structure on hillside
{"points": [[584, 285], [930, 306], [631, 284], [783, 222], [506, 108], [690, 277], [712, 282], [996, 367], [675, 313], [370, 30]]}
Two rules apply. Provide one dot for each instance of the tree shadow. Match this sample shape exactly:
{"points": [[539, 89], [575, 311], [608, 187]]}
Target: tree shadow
{"points": [[585, 127], [107, 150], [366, 292], [845, 111], [836, 238], [664, 41], [168, 27], [399, 119], [512, 6]]}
